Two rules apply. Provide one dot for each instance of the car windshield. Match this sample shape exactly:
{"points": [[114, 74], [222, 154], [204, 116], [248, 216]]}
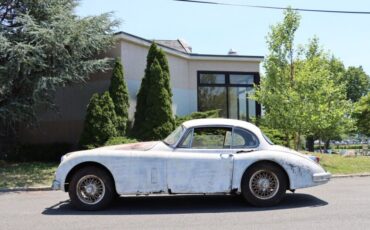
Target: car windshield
{"points": [[267, 139], [175, 136]]}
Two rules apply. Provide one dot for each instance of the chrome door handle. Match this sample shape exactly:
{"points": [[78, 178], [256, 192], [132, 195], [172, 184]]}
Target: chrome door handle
{"points": [[226, 155]]}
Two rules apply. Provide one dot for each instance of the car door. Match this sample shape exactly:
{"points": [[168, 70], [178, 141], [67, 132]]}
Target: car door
{"points": [[202, 162]]}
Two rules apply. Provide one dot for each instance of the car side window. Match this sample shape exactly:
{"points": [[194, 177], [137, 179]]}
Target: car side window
{"points": [[211, 138], [244, 139], [185, 143]]}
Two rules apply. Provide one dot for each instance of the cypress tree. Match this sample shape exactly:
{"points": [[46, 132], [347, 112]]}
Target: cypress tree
{"points": [[161, 57], [159, 120], [141, 106], [119, 93], [99, 122]]}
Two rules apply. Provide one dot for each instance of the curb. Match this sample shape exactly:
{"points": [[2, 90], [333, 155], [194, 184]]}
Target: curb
{"points": [[48, 188], [351, 175], [26, 189]]}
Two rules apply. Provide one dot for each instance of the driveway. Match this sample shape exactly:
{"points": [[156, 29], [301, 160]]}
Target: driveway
{"points": [[344, 203]]}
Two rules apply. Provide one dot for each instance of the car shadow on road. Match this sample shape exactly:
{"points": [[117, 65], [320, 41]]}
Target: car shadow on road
{"points": [[184, 204]]}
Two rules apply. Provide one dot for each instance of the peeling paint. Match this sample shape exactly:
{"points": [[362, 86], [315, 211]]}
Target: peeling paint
{"points": [[153, 167]]}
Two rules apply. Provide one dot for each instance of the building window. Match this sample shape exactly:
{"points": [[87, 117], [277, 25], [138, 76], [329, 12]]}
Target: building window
{"points": [[229, 92]]}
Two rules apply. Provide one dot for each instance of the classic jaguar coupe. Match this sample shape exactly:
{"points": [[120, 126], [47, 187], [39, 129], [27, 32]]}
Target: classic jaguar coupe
{"points": [[205, 156]]}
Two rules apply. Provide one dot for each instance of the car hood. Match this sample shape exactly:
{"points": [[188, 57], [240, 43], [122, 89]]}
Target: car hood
{"points": [[140, 146]]}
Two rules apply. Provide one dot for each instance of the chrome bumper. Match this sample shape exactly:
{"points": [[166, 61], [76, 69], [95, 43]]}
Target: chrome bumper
{"points": [[321, 177], [56, 185]]}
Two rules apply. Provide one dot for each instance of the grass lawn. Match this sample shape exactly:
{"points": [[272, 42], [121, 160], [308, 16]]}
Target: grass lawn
{"points": [[337, 164], [26, 174]]}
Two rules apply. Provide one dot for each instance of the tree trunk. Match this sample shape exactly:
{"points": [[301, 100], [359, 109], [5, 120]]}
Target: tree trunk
{"points": [[326, 145], [310, 143], [7, 141], [297, 141], [287, 140]]}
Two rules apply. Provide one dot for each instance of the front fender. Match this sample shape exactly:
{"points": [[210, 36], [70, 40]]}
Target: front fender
{"points": [[72, 160]]}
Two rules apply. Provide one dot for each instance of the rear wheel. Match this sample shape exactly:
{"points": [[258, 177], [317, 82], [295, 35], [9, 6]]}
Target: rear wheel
{"points": [[264, 184], [91, 188]]}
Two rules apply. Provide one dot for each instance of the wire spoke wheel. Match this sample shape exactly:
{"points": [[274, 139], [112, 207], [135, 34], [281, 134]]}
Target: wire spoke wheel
{"points": [[90, 189], [264, 184]]}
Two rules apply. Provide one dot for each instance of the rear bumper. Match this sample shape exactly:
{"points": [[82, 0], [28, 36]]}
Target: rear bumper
{"points": [[321, 177]]}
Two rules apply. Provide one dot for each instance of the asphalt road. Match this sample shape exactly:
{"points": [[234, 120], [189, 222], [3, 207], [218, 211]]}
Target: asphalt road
{"points": [[344, 203]]}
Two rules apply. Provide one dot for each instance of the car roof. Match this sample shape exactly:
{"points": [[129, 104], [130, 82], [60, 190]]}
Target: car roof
{"points": [[220, 122]]}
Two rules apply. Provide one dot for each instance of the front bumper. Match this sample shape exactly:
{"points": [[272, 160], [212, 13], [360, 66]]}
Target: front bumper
{"points": [[321, 177], [56, 185]]}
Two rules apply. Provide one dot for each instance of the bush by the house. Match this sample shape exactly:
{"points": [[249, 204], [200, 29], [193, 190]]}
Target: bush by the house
{"points": [[100, 121], [119, 140], [119, 93], [197, 115]]}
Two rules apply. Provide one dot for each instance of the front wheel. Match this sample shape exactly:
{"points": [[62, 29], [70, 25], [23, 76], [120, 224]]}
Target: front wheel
{"points": [[264, 185], [91, 188]]}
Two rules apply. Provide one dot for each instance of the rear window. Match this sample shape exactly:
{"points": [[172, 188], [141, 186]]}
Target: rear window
{"points": [[267, 139]]}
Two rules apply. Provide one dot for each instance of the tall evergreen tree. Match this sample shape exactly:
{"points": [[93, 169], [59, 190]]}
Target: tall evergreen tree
{"points": [[119, 93], [100, 121], [142, 97], [159, 120]]}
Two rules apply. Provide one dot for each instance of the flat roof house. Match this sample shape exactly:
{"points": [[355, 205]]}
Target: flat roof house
{"points": [[199, 82]]}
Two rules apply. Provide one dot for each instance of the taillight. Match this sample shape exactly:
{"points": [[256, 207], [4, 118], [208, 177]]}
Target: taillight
{"points": [[318, 160], [315, 158]]}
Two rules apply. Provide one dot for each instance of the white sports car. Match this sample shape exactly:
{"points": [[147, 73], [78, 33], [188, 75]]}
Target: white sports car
{"points": [[205, 156]]}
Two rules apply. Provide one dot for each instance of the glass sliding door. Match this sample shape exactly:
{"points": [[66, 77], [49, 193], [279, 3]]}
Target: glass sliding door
{"points": [[240, 106], [210, 98], [229, 92]]}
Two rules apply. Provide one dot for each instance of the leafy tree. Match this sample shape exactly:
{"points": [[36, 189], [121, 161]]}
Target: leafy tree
{"points": [[362, 114], [100, 121], [275, 92], [325, 110], [119, 94], [300, 93], [337, 70], [45, 45], [358, 83], [141, 113], [159, 120]]}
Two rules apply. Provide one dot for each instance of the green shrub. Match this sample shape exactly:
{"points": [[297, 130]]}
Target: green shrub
{"points": [[197, 115], [39, 152], [100, 122], [347, 146], [119, 140], [333, 146], [276, 136]]}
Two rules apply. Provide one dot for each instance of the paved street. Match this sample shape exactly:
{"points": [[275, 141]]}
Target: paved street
{"points": [[344, 203]]}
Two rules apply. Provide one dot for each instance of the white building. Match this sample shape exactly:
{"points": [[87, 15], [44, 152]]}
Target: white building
{"points": [[199, 82]]}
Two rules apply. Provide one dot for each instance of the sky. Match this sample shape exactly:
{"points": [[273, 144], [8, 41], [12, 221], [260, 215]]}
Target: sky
{"points": [[215, 29]]}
